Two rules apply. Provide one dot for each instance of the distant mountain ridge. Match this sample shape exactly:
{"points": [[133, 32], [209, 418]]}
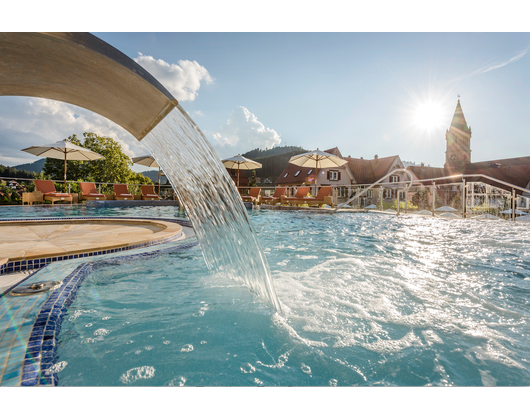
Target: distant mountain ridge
{"points": [[273, 160], [36, 166]]}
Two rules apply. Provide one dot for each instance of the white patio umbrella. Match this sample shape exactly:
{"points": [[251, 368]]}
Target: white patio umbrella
{"points": [[240, 162], [509, 211], [487, 216], [315, 159], [450, 215], [445, 208], [63, 150], [150, 162], [371, 206]]}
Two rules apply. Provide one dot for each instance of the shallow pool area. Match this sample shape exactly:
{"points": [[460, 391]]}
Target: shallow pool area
{"points": [[369, 299]]}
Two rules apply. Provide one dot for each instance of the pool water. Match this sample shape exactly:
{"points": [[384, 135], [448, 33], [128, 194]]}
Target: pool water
{"points": [[369, 299], [11, 212]]}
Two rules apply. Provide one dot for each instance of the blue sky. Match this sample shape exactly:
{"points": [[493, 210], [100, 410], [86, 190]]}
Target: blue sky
{"points": [[361, 92]]}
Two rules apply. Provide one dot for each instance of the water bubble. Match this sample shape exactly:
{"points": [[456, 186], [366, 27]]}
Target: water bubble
{"points": [[133, 375], [306, 369], [56, 368], [257, 381], [129, 342], [180, 381], [333, 382], [101, 331], [148, 348], [88, 325], [137, 351], [248, 368], [167, 342], [105, 318], [203, 342], [187, 348]]}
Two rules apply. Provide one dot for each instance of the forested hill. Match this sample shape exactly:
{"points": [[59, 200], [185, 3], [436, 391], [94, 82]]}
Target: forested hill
{"points": [[258, 153], [273, 160], [32, 167]]}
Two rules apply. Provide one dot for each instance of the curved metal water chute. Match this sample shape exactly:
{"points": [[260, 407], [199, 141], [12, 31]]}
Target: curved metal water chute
{"points": [[83, 70]]}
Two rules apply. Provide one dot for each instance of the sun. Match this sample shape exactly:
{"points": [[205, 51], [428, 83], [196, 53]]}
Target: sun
{"points": [[428, 116]]}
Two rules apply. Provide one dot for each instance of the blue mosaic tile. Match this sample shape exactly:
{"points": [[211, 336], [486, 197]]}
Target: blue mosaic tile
{"points": [[29, 382]]}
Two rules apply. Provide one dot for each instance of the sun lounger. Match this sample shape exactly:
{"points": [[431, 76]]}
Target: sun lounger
{"points": [[276, 198], [253, 196], [89, 192], [323, 197], [148, 193], [301, 193], [121, 192], [50, 194]]}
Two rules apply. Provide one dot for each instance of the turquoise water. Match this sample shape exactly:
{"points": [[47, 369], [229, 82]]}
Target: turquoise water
{"points": [[11, 212], [370, 300]]}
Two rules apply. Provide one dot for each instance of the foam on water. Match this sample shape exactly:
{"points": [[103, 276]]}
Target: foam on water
{"points": [[211, 201]]}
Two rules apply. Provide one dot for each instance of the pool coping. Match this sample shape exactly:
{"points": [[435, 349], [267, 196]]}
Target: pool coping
{"points": [[35, 263], [36, 353]]}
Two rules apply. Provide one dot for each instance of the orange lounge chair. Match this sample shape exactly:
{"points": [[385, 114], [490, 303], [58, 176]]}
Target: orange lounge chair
{"points": [[89, 192], [323, 197], [253, 196], [276, 198], [300, 194], [148, 193], [121, 192], [48, 190]]}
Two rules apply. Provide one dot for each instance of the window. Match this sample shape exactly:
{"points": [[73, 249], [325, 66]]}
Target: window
{"points": [[333, 176], [297, 173], [285, 176], [394, 178], [402, 195], [309, 173], [369, 194], [388, 193]]}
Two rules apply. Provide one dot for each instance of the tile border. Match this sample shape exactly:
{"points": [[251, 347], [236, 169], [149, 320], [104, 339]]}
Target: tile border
{"points": [[42, 345]]}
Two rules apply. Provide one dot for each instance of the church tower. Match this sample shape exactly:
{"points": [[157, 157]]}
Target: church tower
{"points": [[458, 140]]}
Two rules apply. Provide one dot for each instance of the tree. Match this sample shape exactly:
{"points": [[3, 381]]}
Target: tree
{"points": [[252, 180], [113, 169]]}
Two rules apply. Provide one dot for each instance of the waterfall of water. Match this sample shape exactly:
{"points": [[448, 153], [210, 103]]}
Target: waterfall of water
{"points": [[211, 201]]}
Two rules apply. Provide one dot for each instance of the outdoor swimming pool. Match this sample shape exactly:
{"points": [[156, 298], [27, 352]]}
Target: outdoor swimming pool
{"points": [[370, 299]]}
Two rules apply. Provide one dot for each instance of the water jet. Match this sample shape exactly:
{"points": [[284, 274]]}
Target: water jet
{"points": [[83, 70]]}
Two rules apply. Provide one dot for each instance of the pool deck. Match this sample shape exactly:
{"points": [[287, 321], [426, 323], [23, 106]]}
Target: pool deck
{"points": [[29, 239]]}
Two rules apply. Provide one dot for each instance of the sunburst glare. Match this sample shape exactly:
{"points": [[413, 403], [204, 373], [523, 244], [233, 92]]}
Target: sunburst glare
{"points": [[429, 115]]}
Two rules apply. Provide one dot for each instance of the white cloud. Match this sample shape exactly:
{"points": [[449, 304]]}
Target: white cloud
{"points": [[243, 132], [198, 113], [26, 122], [493, 66], [183, 80]]}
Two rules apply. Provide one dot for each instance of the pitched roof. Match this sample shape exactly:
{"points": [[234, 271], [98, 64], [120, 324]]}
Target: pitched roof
{"points": [[288, 174], [334, 151], [514, 171], [459, 121], [367, 171]]}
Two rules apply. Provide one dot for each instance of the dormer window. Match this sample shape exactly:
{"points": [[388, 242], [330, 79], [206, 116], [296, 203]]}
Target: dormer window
{"points": [[285, 176], [309, 173], [297, 173], [394, 178]]}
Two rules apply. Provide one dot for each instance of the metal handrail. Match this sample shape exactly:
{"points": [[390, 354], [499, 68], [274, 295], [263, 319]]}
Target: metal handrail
{"points": [[380, 181]]}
